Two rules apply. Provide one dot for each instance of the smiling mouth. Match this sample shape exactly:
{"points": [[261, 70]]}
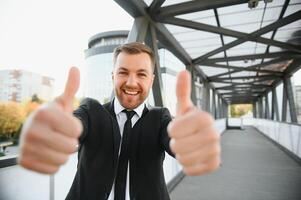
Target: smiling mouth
{"points": [[130, 92]]}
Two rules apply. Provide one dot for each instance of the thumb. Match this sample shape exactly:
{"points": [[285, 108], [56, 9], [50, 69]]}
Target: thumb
{"points": [[71, 87], [183, 91]]}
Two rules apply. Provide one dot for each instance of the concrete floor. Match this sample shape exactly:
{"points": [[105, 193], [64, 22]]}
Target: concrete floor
{"points": [[253, 169]]}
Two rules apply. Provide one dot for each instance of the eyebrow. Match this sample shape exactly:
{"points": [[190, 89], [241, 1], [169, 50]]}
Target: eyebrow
{"points": [[140, 70]]}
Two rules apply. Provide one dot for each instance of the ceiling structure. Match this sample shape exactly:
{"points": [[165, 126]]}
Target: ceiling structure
{"points": [[241, 52]]}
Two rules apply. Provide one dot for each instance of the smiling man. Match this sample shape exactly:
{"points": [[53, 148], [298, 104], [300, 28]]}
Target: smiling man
{"points": [[122, 144]]}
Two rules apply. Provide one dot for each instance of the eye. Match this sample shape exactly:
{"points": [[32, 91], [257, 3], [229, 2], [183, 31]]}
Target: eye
{"points": [[142, 75], [122, 72]]}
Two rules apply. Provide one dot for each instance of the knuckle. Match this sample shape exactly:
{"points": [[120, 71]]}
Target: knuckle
{"points": [[214, 137], [172, 145], [53, 169], [41, 114], [214, 165], [171, 127]]}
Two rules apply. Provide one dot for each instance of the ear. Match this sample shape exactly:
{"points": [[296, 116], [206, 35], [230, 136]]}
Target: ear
{"points": [[153, 78], [112, 74]]}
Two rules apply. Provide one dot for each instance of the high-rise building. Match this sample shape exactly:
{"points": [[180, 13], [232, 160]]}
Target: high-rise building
{"points": [[99, 64], [19, 85]]}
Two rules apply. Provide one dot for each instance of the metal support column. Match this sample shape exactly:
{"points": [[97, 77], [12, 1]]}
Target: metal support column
{"points": [[190, 68], [151, 41], [139, 30], [291, 100], [213, 105], [267, 107], [275, 110], [254, 109], [260, 110], [206, 97], [284, 102]]}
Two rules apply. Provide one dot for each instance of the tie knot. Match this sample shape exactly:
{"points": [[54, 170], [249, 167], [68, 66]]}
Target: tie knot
{"points": [[129, 113]]}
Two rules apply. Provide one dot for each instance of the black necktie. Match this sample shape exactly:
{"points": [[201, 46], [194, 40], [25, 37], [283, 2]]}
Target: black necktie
{"points": [[120, 180]]}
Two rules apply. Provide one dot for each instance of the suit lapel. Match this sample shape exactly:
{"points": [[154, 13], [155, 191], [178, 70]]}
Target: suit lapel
{"points": [[116, 132]]}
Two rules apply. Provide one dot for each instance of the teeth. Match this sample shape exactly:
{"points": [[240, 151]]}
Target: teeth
{"points": [[131, 92]]}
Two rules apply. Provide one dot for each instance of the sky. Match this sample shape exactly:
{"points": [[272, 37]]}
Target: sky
{"points": [[48, 37]]}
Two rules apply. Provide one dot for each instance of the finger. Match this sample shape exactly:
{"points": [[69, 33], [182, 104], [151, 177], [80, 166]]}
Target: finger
{"points": [[183, 91], [71, 87], [53, 140], [32, 164], [201, 155], [45, 155], [193, 142], [60, 121], [202, 168], [189, 124]]}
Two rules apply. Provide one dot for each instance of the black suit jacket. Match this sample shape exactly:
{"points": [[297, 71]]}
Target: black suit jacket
{"points": [[98, 153]]}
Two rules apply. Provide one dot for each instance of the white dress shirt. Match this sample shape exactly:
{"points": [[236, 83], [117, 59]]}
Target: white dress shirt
{"points": [[121, 119]]}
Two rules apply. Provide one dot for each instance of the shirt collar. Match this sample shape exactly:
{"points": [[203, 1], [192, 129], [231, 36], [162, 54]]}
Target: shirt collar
{"points": [[118, 108]]}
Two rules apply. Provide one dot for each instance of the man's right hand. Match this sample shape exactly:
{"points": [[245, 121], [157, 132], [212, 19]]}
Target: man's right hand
{"points": [[51, 133]]}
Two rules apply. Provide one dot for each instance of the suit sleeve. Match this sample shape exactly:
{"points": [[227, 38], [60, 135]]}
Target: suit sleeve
{"points": [[165, 120], [82, 114]]}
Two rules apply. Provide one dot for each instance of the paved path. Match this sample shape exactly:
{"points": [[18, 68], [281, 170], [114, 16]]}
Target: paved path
{"points": [[253, 169]]}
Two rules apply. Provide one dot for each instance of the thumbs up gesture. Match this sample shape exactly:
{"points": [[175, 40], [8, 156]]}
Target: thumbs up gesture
{"points": [[51, 133], [194, 141]]}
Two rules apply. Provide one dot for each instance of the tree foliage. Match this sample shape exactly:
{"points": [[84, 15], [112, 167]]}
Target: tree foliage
{"points": [[238, 110], [11, 118]]}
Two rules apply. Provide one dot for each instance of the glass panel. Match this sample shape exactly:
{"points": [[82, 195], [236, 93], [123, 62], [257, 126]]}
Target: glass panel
{"points": [[211, 71], [296, 83], [172, 2], [242, 49], [206, 17], [292, 9]]}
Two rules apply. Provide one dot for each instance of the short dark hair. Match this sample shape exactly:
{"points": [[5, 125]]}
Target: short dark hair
{"points": [[134, 48]]}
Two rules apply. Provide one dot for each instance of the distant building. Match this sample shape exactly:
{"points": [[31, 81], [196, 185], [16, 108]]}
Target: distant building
{"points": [[297, 93], [99, 64], [19, 85]]}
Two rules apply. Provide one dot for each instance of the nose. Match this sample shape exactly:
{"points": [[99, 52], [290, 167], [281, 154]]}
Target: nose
{"points": [[131, 81]]}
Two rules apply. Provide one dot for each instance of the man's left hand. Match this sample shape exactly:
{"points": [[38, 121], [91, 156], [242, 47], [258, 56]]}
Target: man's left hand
{"points": [[194, 141]]}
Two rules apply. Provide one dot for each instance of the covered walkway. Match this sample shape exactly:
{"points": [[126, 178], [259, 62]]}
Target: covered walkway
{"points": [[253, 168]]}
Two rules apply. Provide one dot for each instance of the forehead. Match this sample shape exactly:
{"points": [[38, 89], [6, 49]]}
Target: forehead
{"points": [[133, 61]]}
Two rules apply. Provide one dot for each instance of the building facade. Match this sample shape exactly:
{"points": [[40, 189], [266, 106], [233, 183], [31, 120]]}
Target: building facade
{"points": [[19, 85]]}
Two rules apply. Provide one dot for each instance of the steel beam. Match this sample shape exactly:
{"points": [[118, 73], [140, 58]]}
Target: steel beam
{"points": [[266, 77], [279, 23], [155, 5], [228, 32], [254, 68], [283, 55], [194, 6], [231, 87]]}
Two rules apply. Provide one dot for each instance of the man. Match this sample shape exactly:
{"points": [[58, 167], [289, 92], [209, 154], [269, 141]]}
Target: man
{"points": [[121, 143]]}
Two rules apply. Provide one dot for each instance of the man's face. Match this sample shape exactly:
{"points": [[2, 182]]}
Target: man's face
{"points": [[132, 77]]}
